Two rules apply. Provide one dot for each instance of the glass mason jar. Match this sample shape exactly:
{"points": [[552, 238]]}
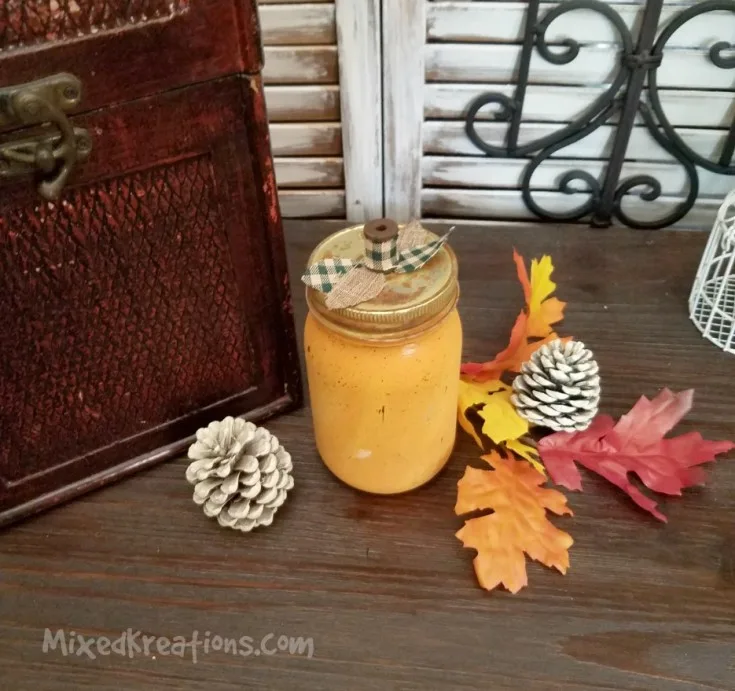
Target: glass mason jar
{"points": [[384, 375]]}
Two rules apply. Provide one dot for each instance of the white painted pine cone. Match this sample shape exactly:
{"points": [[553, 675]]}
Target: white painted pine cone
{"points": [[240, 472], [559, 387]]}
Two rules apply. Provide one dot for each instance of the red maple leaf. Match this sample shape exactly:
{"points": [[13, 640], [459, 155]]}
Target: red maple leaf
{"points": [[636, 444]]}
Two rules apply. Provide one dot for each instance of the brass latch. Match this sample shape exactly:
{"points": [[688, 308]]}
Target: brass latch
{"points": [[56, 146]]}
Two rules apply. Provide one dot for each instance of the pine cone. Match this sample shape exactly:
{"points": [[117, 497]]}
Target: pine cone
{"points": [[559, 387], [241, 474]]}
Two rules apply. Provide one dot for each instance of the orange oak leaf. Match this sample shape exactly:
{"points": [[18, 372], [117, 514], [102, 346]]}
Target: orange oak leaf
{"points": [[635, 444], [534, 322], [518, 524]]}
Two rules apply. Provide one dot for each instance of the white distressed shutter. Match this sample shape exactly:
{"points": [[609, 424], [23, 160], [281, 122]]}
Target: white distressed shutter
{"points": [[367, 100], [474, 47], [323, 79], [302, 94]]}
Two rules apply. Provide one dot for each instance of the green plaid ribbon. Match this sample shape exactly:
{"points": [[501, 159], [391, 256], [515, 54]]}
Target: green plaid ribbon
{"points": [[383, 257], [415, 257], [323, 275]]}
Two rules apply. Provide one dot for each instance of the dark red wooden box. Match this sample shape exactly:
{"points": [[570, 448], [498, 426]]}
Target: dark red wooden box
{"points": [[151, 297]]}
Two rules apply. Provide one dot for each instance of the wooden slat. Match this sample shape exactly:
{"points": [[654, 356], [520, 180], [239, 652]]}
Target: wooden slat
{"points": [[312, 139], [404, 24], [594, 65], [546, 4], [564, 103], [300, 65], [361, 77], [312, 204], [492, 22], [449, 137], [309, 172], [508, 204], [289, 25], [464, 171], [302, 103]]}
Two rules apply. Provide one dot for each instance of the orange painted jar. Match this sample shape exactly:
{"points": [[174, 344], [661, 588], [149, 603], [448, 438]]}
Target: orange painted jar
{"points": [[384, 374]]}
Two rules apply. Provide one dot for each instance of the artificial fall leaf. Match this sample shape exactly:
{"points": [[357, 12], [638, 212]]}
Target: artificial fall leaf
{"points": [[635, 444], [504, 360], [518, 524], [530, 453], [500, 421], [464, 403], [534, 322], [543, 310], [491, 400]]}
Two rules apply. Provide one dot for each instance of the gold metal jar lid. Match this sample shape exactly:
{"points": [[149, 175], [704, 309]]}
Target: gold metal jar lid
{"points": [[409, 303]]}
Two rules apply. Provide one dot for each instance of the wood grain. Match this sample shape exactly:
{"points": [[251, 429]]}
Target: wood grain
{"points": [[466, 62], [508, 204], [495, 22], [449, 137], [302, 103], [288, 25], [300, 65], [309, 172], [307, 139], [554, 103], [328, 203], [380, 583], [361, 80], [404, 31], [483, 172]]}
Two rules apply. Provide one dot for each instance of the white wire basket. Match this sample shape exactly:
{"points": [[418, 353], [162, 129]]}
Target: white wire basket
{"points": [[712, 300]]}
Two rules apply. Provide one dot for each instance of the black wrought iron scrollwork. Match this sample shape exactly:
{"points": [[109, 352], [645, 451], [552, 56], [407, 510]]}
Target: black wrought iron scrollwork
{"points": [[653, 186], [565, 186], [511, 109], [717, 57], [638, 62], [507, 109], [572, 46], [724, 165]]}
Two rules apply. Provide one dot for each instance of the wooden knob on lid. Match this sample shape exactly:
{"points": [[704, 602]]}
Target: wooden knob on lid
{"points": [[380, 230]]}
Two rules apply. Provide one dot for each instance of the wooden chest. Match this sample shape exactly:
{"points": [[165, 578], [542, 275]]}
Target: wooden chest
{"points": [[150, 296]]}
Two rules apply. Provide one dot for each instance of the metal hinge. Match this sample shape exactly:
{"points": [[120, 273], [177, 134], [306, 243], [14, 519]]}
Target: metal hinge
{"points": [[53, 151]]}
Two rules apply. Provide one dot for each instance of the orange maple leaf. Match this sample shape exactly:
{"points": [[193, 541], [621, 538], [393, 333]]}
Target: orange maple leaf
{"points": [[517, 525], [534, 322]]}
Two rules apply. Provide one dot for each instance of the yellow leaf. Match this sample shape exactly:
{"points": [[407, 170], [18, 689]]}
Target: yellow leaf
{"points": [[542, 312], [541, 284], [526, 451], [501, 422], [465, 402], [534, 322]]}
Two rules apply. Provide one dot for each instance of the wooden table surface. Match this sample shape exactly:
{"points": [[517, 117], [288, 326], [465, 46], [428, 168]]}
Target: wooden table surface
{"points": [[381, 585]]}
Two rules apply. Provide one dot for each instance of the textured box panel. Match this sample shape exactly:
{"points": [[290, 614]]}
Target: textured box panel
{"points": [[120, 311], [25, 23]]}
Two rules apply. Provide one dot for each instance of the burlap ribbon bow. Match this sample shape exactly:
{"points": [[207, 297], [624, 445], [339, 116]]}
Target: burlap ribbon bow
{"points": [[348, 282]]}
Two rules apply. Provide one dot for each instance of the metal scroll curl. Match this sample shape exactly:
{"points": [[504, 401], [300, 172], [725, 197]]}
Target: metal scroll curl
{"points": [[511, 109], [606, 198], [718, 57], [593, 188], [653, 187]]}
